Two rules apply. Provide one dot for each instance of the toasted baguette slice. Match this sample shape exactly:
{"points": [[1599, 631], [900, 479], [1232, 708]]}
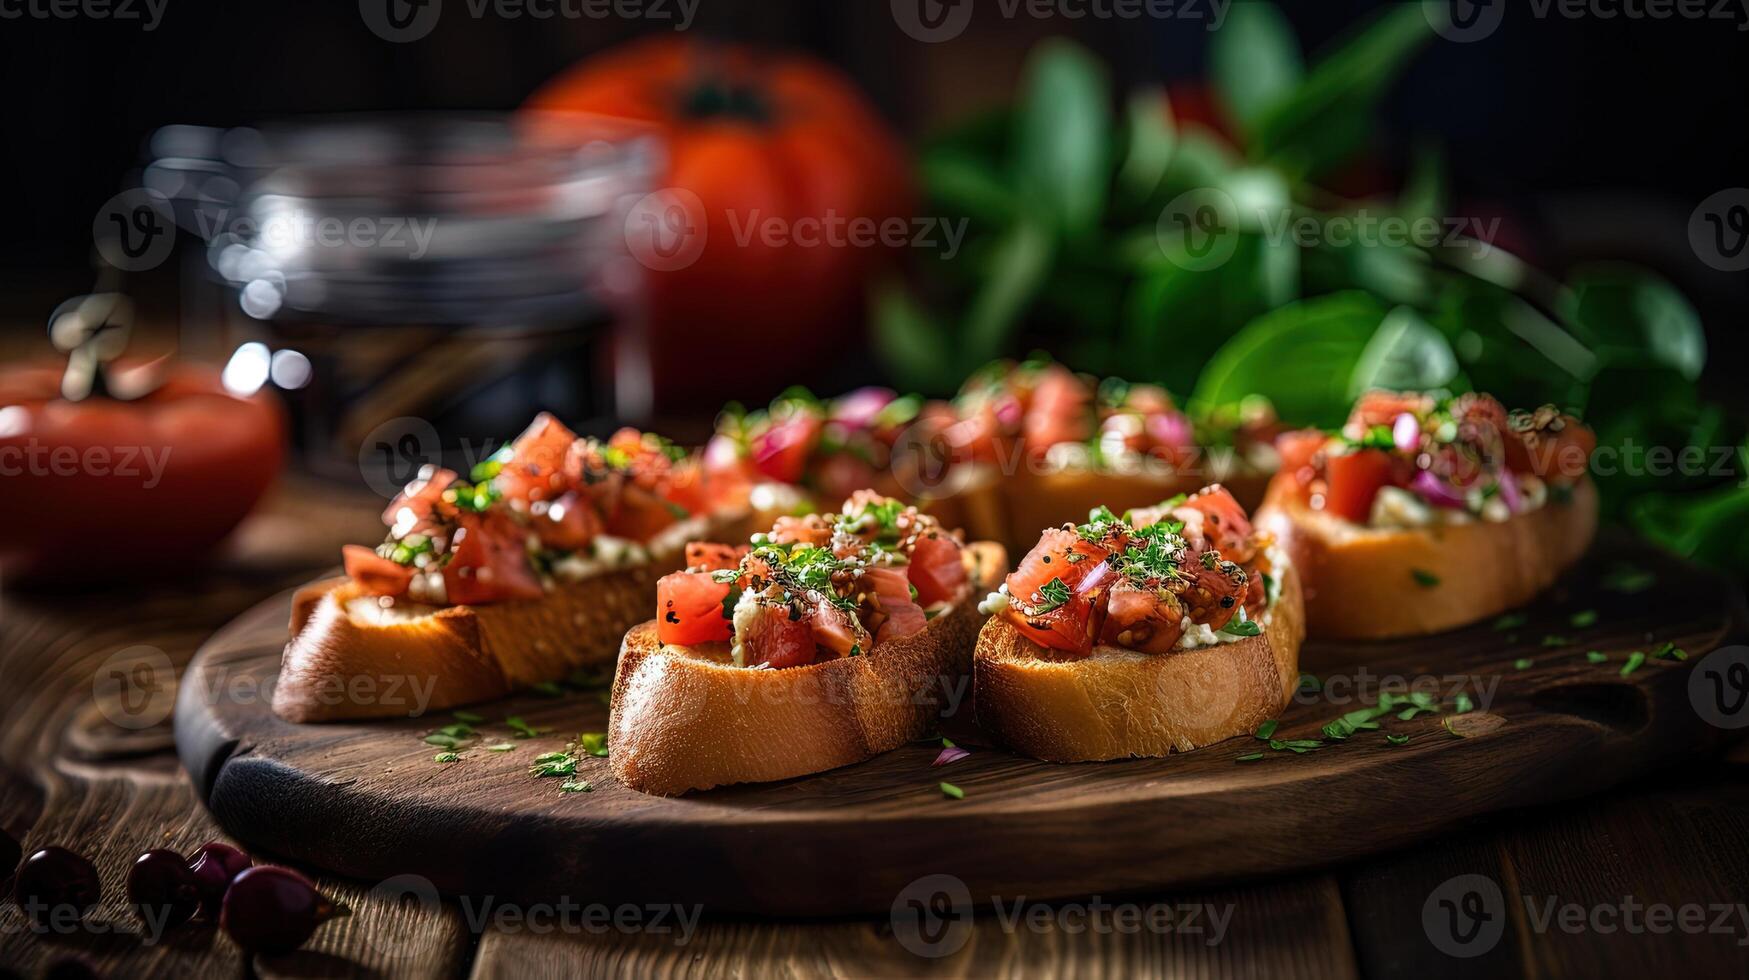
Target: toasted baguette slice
{"points": [[687, 718], [1119, 704], [1365, 583], [345, 657]]}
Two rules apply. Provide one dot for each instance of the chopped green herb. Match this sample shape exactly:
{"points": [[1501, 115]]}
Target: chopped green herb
{"points": [[1423, 578], [441, 741], [1670, 651], [594, 743], [1238, 627], [522, 728], [1555, 640], [1462, 704], [1596, 656], [1267, 729], [1052, 595], [1510, 621], [469, 717], [553, 764], [1522, 663], [501, 747], [1583, 618], [1397, 739], [1252, 757], [575, 786], [947, 743], [1635, 659], [445, 757], [457, 730], [950, 790]]}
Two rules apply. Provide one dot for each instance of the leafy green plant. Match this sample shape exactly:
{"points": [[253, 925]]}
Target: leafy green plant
{"points": [[1067, 203]]}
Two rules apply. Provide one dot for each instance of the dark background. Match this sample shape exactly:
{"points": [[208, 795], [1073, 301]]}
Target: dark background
{"points": [[1594, 137]]}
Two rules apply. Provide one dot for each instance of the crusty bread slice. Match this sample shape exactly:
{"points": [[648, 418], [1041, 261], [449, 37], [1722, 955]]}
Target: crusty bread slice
{"points": [[344, 662], [1364, 583], [687, 718], [1119, 704]]}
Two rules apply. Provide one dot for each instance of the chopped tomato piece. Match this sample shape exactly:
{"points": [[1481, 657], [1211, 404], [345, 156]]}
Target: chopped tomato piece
{"points": [[1060, 554], [809, 530], [711, 556], [1211, 515], [770, 636], [837, 629], [892, 589], [1549, 444], [1353, 480], [537, 468], [936, 568], [1061, 410], [1297, 450], [689, 608], [1213, 595], [375, 574], [1383, 407], [568, 523], [490, 562], [635, 512], [1140, 618], [421, 501]]}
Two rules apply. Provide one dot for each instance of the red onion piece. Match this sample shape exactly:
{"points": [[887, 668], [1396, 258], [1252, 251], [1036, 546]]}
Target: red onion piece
{"points": [[948, 755], [1510, 493], [859, 408], [1437, 492]]}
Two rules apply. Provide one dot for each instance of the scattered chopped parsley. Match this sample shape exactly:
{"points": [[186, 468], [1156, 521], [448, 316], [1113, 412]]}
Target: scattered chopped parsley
{"points": [[1596, 656], [1423, 578], [1522, 663], [553, 764], [1555, 640], [469, 717], [1267, 729], [594, 743], [950, 790], [446, 757], [1583, 618], [1628, 579], [1397, 739], [1670, 651], [1510, 621], [1241, 627], [501, 747], [1461, 704], [1252, 757], [441, 740], [575, 786], [1052, 595], [1635, 659]]}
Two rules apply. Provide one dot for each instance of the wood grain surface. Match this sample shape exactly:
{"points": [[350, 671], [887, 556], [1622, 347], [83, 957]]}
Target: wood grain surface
{"points": [[71, 775]]}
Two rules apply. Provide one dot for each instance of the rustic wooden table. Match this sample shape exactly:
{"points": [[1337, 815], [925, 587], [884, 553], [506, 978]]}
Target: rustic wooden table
{"points": [[1651, 879]]}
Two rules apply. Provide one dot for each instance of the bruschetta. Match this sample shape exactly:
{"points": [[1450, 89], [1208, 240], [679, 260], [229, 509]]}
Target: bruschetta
{"points": [[823, 642], [531, 568], [1430, 511], [1162, 630]]}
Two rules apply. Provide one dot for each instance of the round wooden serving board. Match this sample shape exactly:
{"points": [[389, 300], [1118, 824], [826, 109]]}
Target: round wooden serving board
{"points": [[368, 800]]}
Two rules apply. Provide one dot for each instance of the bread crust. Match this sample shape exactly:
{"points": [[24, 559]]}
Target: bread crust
{"points": [[340, 667], [1363, 583], [1119, 704], [686, 720]]}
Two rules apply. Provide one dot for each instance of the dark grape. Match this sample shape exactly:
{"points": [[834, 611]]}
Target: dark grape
{"points": [[272, 910], [162, 889], [214, 866], [53, 881]]}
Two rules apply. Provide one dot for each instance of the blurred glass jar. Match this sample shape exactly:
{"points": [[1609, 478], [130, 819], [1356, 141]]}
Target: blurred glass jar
{"points": [[425, 283]]}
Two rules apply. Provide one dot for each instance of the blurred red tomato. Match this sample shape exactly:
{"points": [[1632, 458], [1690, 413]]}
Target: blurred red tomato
{"points": [[800, 185], [105, 489]]}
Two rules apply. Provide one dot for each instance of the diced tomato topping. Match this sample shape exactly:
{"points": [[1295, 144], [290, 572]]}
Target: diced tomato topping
{"points": [[892, 588], [538, 467], [689, 608], [809, 530], [1061, 410], [568, 523], [421, 501], [1211, 515], [375, 574], [1352, 480], [1383, 407], [489, 562], [1297, 450], [1138, 619], [937, 569], [1214, 595], [1060, 554], [771, 637], [836, 628], [1550, 445], [711, 556], [633, 512]]}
